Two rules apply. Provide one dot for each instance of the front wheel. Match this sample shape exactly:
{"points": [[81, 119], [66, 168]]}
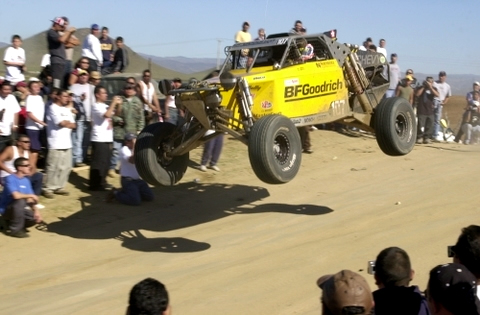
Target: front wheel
{"points": [[275, 149], [151, 160], [395, 126]]}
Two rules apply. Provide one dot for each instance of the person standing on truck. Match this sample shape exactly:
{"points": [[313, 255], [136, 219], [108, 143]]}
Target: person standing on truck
{"points": [[394, 76], [243, 36]]}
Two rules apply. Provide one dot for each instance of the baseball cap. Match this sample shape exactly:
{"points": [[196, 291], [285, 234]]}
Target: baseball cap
{"points": [[33, 79], [409, 71], [95, 75], [409, 77], [343, 289], [442, 74], [476, 83], [393, 55], [81, 72], [59, 21], [21, 84], [455, 287], [130, 136], [95, 27]]}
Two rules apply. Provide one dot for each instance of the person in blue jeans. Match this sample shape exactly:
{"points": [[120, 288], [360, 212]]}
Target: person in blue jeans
{"points": [[211, 153], [134, 190]]}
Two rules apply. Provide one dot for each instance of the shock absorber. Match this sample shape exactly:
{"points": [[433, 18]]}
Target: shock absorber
{"points": [[357, 81], [245, 102]]}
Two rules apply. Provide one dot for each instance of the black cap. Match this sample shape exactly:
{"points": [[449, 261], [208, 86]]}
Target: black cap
{"points": [[455, 287], [393, 55], [442, 74]]}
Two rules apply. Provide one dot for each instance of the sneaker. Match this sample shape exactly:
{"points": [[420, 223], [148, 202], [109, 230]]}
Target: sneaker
{"points": [[19, 234], [111, 173], [203, 168], [215, 168], [47, 194], [427, 141], [308, 151], [61, 192], [39, 206], [419, 141], [80, 164]]}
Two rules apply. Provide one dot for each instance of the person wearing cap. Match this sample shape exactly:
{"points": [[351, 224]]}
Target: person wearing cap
{"points": [[14, 61], [92, 49], [9, 113], [394, 76], [451, 290], [469, 96], [366, 44], [57, 36], [444, 92], [345, 293], [101, 140], [128, 118], [82, 100], [134, 190], [466, 251], [393, 273], [404, 89], [60, 122], [243, 36]]}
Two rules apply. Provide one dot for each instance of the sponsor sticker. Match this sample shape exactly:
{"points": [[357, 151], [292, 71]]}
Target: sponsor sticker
{"points": [[266, 104], [258, 78], [291, 82]]}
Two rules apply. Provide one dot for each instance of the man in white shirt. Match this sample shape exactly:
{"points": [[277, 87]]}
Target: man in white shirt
{"points": [[14, 60], [444, 92], [381, 47], [35, 108], [60, 123], [134, 189], [172, 114], [102, 138], [394, 76], [92, 49], [82, 100], [9, 110]]}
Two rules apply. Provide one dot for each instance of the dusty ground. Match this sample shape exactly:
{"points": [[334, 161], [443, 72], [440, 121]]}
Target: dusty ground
{"points": [[231, 244]]}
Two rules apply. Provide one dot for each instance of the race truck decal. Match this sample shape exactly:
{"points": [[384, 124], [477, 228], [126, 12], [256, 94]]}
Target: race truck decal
{"points": [[309, 91]]}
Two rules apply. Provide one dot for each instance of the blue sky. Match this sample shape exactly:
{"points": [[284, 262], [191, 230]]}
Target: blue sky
{"points": [[427, 35]]}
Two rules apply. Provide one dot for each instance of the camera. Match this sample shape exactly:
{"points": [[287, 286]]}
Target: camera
{"points": [[451, 251], [371, 267]]}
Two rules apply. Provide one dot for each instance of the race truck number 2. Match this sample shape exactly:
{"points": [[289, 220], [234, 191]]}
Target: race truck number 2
{"points": [[337, 107]]}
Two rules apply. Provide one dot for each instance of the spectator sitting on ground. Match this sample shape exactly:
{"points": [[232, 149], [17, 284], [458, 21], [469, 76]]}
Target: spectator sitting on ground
{"points": [[134, 189], [345, 293], [11, 154], [451, 291], [149, 297], [393, 274], [17, 194], [471, 125], [467, 251]]}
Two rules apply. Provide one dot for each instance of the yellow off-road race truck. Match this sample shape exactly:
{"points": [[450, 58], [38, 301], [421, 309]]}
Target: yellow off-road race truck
{"points": [[264, 91]]}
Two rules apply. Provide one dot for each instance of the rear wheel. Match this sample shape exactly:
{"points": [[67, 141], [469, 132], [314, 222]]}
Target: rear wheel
{"points": [[151, 161], [395, 126], [275, 149]]}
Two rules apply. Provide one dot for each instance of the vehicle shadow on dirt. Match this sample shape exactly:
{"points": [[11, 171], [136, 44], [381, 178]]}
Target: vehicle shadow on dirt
{"points": [[177, 207]]}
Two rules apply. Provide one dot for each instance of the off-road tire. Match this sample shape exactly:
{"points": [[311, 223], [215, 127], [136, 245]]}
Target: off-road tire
{"points": [[149, 160], [275, 149], [395, 126]]}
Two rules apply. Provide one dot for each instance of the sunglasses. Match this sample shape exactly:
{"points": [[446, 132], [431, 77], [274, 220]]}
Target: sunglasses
{"points": [[26, 165], [27, 141], [129, 88]]}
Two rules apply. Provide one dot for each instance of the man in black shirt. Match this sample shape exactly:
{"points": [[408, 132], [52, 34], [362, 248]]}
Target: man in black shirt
{"points": [[120, 59]]}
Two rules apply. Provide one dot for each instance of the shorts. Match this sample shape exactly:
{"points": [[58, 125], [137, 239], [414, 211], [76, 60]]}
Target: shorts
{"points": [[34, 136]]}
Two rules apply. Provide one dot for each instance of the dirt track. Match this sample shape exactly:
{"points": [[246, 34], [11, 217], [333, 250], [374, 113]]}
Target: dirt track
{"points": [[231, 243]]}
